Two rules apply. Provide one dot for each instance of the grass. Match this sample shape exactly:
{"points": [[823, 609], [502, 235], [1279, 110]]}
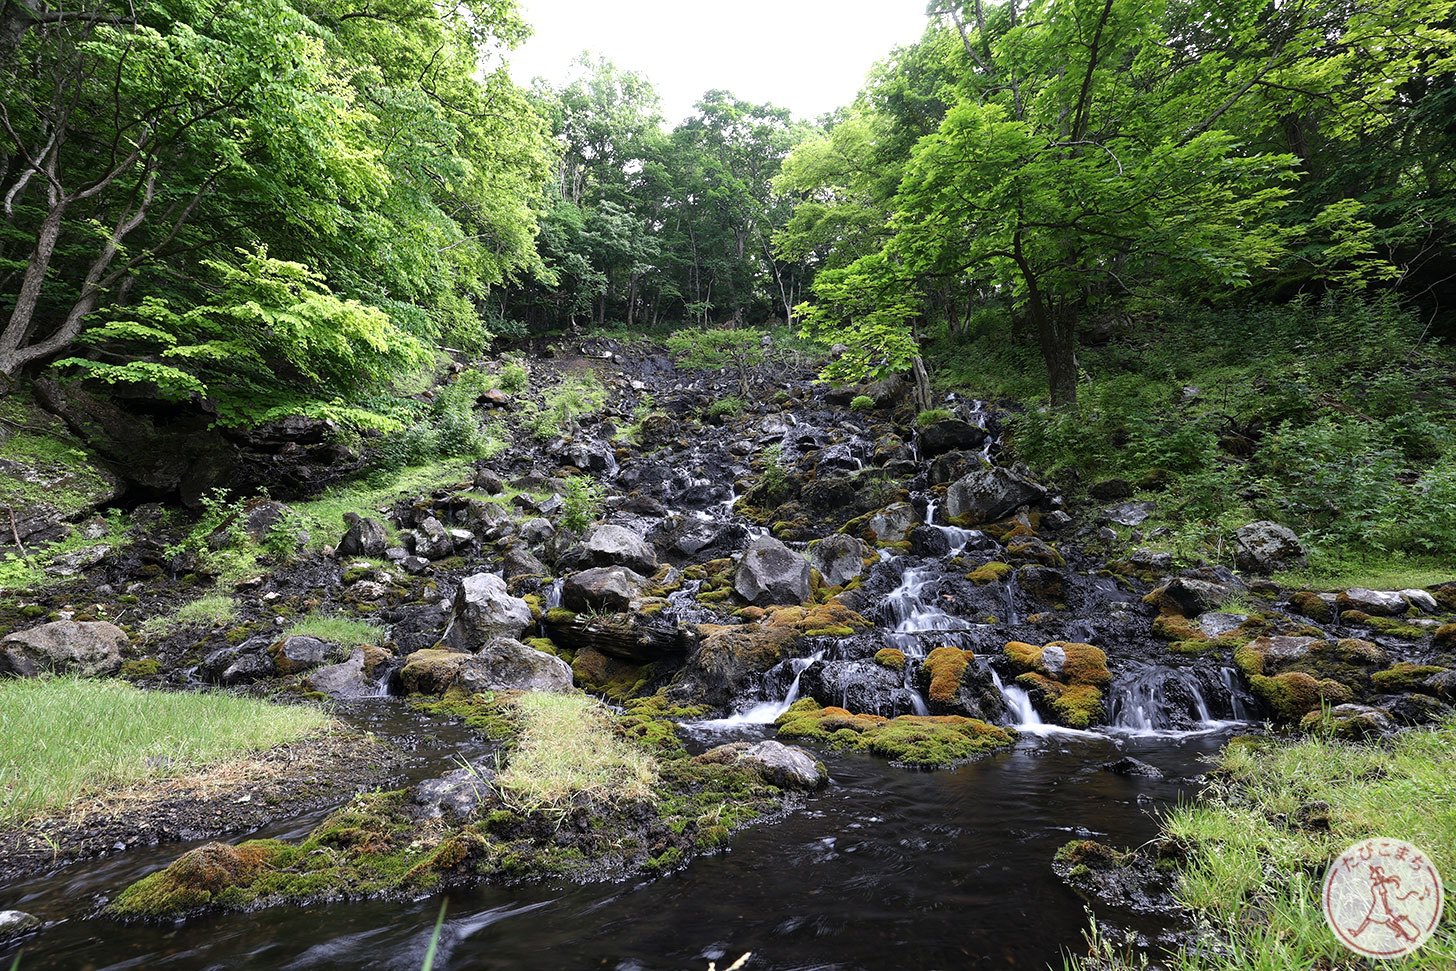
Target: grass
{"points": [[28, 572], [67, 737], [346, 631], [1255, 876], [567, 745], [212, 610], [1386, 573], [324, 517]]}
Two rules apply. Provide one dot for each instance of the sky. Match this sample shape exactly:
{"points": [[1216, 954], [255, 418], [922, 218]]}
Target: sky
{"points": [[809, 56]]}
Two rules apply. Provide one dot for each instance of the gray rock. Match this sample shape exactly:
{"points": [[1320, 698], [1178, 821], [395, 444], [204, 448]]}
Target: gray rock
{"points": [[537, 531], [90, 649], [1421, 600], [989, 494], [364, 537], [771, 573], [300, 653], [1264, 547], [1057, 521], [14, 923], [1217, 624], [617, 546], [892, 524], [345, 680], [1129, 513], [945, 469], [1192, 596], [839, 558], [432, 540], [785, 766], [244, 664], [521, 562], [602, 588], [77, 561], [489, 482], [456, 794], [414, 564], [505, 664], [1358, 721], [484, 609], [1377, 603], [1279, 651]]}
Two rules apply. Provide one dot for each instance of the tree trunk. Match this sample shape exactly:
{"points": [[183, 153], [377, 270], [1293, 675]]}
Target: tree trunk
{"points": [[922, 383], [1058, 340]]}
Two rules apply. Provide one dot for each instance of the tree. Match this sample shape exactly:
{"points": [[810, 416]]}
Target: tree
{"points": [[721, 347]]}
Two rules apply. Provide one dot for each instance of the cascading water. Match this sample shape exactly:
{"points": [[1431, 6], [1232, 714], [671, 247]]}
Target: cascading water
{"points": [[766, 712], [1018, 703], [1153, 699]]}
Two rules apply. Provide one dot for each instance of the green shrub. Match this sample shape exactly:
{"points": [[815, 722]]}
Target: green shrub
{"points": [[725, 407], [932, 415], [862, 402], [581, 503], [513, 377]]}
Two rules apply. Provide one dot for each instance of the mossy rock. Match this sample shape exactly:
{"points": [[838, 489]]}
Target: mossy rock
{"points": [[946, 666], [1173, 626], [1311, 605], [1445, 637], [990, 572], [1293, 694], [214, 874], [919, 741], [1405, 678], [613, 679], [892, 658]]}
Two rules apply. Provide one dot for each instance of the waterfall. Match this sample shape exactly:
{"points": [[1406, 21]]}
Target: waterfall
{"points": [[1018, 702], [1161, 700], [766, 712], [958, 538]]}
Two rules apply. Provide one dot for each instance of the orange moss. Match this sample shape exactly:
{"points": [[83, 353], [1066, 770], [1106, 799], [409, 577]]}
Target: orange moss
{"points": [[947, 665]]}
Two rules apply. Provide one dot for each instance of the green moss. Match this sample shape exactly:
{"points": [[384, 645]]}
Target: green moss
{"points": [[1309, 603], [1293, 694], [139, 668], [946, 666], [889, 657], [920, 741], [1405, 677], [990, 572]]}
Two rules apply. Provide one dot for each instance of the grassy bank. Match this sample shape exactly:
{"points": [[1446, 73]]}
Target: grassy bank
{"points": [[1336, 419], [1258, 842], [66, 737]]}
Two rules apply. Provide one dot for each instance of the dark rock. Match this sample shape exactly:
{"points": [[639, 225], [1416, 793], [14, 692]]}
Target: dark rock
{"points": [[1192, 596], [521, 562], [243, 664], [892, 524], [771, 573], [1264, 547], [953, 465], [456, 794], [300, 653], [89, 649], [14, 923], [432, 540], [489, 482], [602, 588], [1111, 490], [1127, 765], [364, 537], [950, 434], [505, 664]]}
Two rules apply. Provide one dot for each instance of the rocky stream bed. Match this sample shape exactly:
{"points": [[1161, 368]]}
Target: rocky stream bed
{"points": [[885, 675]]}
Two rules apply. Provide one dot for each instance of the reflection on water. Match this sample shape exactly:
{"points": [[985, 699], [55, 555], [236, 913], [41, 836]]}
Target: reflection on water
{"points": [[887, 869]]}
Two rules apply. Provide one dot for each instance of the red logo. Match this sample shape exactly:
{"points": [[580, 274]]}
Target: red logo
{"points": [[1383, 898]]}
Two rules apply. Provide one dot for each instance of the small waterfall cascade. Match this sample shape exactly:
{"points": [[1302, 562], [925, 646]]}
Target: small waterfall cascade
{"points": [[958, 538], [1153, 699], [765, 712], [913, 617]]}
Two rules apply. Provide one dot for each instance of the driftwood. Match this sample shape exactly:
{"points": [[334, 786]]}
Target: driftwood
{"points": [[628, 637]]}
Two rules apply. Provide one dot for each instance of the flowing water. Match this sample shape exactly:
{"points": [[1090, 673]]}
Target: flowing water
{"points": [[886, 869]]}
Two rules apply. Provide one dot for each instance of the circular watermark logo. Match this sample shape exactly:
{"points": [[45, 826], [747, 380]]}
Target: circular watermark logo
{"points": [[1383, 898]]}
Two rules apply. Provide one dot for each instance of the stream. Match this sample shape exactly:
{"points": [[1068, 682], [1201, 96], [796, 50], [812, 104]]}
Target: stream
{"points": [[887, 868]]}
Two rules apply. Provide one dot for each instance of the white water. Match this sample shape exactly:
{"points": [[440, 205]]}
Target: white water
{"points": [[766, 712]]}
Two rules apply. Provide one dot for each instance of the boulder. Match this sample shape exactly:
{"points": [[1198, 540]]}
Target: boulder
{"points": [[1191, 596], [892, 524], [989, 494], [946, 468], [364, 537], [1264, 547], [89, 649], [244, 664], [432, 540], [431, 671], [1377, 603], [1351, 721], [618, 546], [456, 794], [839, 558], [521, 562], [483, 609], [505, 664], [785, 766], [14, 923], [602, 588], [950, 434], [1129, 513], [345, 681], [300, 653], [1111, 490], [771, 573]]}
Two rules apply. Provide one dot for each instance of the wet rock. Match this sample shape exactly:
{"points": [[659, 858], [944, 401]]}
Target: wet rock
{"points": [[945, 469], [483, 609], [414, 564], [77, 561], [989, 494], [950, 434], [1104, 875], [243, 664], [839, 558], [1377, 603], [431, 671], [505, 664], [863, 686], [613, 546], [86, 648], [927, 541], [300, 653], [364, 537], [345, 680], [892, 524], [1129, 513], [1421, 600], [594, 457], [489, 482], [785, 766], [692, 535], [1264, 547], [1218, 624], [14, 923], [456, 794], [1127, 765], [602, 588], [1056, 521], [771, 573], [1191, 596]]}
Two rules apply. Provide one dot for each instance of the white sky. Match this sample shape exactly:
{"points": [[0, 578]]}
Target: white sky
{"points": [[809, 56]]}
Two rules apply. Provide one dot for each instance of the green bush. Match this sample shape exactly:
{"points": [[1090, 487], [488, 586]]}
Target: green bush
{"points": [[581, 503], [726, 407], [513, 377], [932, 415], [862, 402]]}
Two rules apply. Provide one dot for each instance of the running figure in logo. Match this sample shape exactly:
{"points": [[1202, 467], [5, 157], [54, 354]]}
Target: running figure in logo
{"points": [[1381, 913], [1383, 898]]}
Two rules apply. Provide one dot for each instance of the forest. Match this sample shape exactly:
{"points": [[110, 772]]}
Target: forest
{"points": [[502, 466]]}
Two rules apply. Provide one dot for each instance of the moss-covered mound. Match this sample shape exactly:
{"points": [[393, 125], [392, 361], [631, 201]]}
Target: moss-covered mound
{"points": [[1066, 679], [918, 741], [583, 794]]}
